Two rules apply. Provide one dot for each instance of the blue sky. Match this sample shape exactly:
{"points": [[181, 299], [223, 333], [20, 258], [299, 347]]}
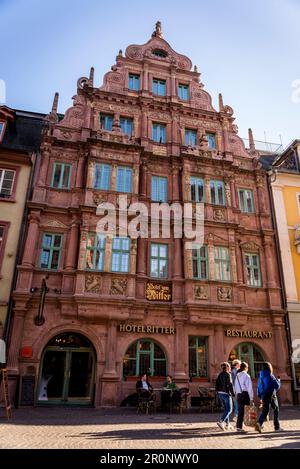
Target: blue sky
{"points": [[247, 49]]}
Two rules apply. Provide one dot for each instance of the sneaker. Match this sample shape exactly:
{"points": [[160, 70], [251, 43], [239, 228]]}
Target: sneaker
{"points": [[258, 427], [241, 430], [221, 425], [229, 427], [277, 430]]}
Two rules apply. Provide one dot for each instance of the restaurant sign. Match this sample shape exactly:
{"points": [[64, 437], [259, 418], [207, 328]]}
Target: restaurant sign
{"points": [[158, 292], [248, 334]]}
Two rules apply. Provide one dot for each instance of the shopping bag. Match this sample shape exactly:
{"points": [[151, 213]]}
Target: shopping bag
{"points": [[250, 415]]}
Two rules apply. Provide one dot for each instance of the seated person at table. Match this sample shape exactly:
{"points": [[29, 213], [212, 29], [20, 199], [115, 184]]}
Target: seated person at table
{"points": [[170, 392], [143, 387]]}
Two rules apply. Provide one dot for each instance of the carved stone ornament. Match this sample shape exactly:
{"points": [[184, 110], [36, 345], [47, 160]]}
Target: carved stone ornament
{"points": [[224, 293], [98, 198], [250, 246], [92, 283], [118, 286], [201, 292], [219, 214]]}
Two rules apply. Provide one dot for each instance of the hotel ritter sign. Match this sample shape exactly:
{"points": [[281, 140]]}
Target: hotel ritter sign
{"points": [[146, 329], [158, 292]]}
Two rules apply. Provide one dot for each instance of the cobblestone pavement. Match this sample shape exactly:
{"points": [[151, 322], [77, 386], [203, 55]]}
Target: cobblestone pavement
{"points": [[124, 429]]}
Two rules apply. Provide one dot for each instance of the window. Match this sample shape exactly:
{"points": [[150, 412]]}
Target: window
{"points": [[106, 121], [198, 357], [190, 137], [7, 178], [200, 263], [159, 189], [159, 87], [253, 270], [217, 192], [144, 356], [222, 264], [159, 53], [246, 200], [2, 130], [126, 125], [102, 174], [61, 176], [51, 250], [250, 354], [211, 140], [159, 260], [197, 189], [95, 250], [124, 179], [159, 133], [183, 92], [120, 255], [134, 82]]}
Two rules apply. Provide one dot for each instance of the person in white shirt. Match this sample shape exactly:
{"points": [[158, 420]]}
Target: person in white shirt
{"points": [[244, 391]]}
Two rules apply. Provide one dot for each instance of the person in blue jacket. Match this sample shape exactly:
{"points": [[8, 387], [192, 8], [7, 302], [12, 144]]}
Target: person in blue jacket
{"points": [[267, 387]]}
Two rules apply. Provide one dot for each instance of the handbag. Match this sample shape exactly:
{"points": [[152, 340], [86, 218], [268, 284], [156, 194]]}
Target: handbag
{"points": [[244, 394], [250, 415]]}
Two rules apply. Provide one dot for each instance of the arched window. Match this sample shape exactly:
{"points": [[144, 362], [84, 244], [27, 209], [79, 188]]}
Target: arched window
{"points": [[249, 353], [144, 356]]}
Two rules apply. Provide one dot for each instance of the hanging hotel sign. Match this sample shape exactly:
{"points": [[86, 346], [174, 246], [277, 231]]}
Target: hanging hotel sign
{"points": [[158, 292], [147, 329], [248, 334]]}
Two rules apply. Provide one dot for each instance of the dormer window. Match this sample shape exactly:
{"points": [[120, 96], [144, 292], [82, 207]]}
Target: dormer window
{"points": [[159, 53], [2, 129]]}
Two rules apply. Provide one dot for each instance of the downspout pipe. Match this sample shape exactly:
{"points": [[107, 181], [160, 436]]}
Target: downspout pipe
{"points": [[271, 173]]}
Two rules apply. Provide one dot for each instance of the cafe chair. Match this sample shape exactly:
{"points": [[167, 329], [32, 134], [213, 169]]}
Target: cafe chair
{"points": [[207, 398], [146, 401], [181, 403]]}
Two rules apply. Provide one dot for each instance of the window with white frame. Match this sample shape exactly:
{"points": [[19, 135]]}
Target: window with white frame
{"points": [[222, 264], [120, 254], [7, 177], [253, 270]]}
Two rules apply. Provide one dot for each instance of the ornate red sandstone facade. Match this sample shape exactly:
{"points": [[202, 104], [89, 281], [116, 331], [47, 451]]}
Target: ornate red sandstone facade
{"points": [[93, 303]]}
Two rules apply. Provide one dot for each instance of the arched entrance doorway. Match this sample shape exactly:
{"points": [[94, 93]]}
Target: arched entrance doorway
{"points": [[67, 372], [249, 353]]}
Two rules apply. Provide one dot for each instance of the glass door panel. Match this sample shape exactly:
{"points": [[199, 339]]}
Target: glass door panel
{"points": [[80, 375]]}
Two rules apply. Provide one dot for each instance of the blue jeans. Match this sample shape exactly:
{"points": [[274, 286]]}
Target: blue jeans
{"points": [[270, 400], [235, 407], [227, 404]]}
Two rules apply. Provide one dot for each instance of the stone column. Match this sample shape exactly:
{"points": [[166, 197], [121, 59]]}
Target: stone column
{"points": [[207, 189], [72, 246], [240, 265], [32, 239], [143, 181], [114, 177], [228, 192], [219, 347], [141, 253], [173, 84], [90, 174], [261, 193], [225, 135], [270, 266], [133, 251], [111, 346], [174, 129], [135, 185], [44, 167], [175, 184], [280, 348], [233, 193], [145, 78], [233, 263], [16, 339], [80, 171], [188, 263], [179, 351], [82, 245], [177, 266], [107, 258], [185, 185], [211, 258], [144, 127]]}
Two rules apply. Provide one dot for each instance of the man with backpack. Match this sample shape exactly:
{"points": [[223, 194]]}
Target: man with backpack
{"points": [[267, 387]]}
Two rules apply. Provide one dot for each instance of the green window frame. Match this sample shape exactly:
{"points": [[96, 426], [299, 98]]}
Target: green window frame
{"points": [[183, 91], [211, 139], [144, 356], [159, 189], [124, 179], [133, 82], [222, 264], [252, 262], [190, 137], [120, 255], [198, 357], [197, 189], [246, 200], [95, 252], [159, 260], [102, 174], [200, 263], [61, 175], [249, 353], [217, 192], [159, 87], [51, 251]]}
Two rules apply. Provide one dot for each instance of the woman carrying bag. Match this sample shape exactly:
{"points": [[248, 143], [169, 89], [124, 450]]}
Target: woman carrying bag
{"points": [[244, 391]]}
